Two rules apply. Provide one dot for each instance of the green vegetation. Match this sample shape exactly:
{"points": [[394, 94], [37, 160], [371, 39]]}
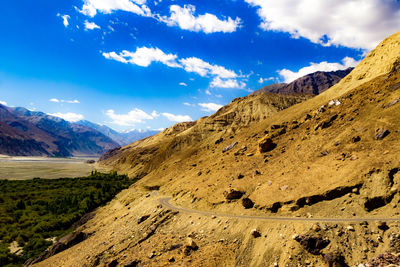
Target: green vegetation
{"points": [[32, 211]]}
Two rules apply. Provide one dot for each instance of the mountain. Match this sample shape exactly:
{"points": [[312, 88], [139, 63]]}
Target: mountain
{"points": [[313, 84], [121, 138], [268, 180], [29, 133]]}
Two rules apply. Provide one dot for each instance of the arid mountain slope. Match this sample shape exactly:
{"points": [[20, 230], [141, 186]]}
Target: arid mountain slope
{"points": [[332, 156], [313, 84], [29, 133], [140, 158]]}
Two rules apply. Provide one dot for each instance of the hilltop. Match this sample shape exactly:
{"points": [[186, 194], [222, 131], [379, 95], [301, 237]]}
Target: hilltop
{"points": [[332, 156], [313, 84]]}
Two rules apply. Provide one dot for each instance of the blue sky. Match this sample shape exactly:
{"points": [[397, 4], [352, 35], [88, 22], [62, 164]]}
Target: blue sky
{"points": [[137, 64]]}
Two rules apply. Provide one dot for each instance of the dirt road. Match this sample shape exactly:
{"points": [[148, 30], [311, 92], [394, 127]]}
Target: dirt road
{"points": [[166, 204]]}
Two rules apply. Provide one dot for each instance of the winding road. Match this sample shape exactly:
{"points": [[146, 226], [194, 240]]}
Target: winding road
{"points": [[166, 204]]}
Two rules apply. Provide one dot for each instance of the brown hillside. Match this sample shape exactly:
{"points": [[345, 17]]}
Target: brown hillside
{"points": [[330, 157]]}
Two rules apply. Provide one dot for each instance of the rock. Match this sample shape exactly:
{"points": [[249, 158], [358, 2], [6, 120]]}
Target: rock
{"points": [[269, 183], [316, 227], [266, 145], [382, 226], [392, 103], [233, 194], [381, 133], [219, 141], [247, 203], [190, 246], [142, 219], [229, 147], [151, 255], [307, 117], [240, 176], [313, 244], [255, 233], [256, 172], [334, 259], [327, 123], [356, 139], [134, 263], [350, 228], [284, 188], [321, 109], [385, 259], [171, 259], [113, 263], [241, 151]]}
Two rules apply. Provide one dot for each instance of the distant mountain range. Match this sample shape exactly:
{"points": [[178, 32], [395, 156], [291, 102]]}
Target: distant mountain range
{"points": [[30, 133], [123, 138], [312, 84]]}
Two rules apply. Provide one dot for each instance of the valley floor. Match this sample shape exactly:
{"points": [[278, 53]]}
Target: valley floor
{"points": [[21, 168]]}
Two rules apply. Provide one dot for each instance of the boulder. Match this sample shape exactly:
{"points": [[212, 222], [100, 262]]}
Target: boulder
{"points": [[381, 133], [266, 145], [142, 219], [255, 233], [247, 203], [233, 194]]}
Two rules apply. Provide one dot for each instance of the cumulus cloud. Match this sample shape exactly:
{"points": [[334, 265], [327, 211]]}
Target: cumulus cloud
{"points": [[144, 56], [176, 118], [227, 83], [210, 107], [183, 84], [289, 76], [131, 118], [91, 7], [55, 100], [70, 116], [199, 66], [91, 25], [4, 103], [356, 24], [184, 18], [65, 19]]}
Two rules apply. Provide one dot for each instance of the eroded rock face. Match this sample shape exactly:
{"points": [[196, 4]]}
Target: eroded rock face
{"points": [[385, 259], [266, 145], [313, 244]]}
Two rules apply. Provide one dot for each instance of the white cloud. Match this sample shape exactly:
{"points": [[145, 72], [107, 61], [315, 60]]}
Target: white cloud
{"points": [[70, 116], [184, 18], [227, 83], [356, 24], [65, 19], [91, 25], [210, 107], [4, 103], [176, 118], [55, 100], [188, 104], [143, 57], [131, 118], [183, 84], [91, 7], [208, 92], [199, 66], [289, 76], [263, 80]]}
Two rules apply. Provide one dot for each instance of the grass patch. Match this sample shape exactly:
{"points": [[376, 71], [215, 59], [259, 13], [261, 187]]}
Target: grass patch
{"points": [[32, 211]]}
